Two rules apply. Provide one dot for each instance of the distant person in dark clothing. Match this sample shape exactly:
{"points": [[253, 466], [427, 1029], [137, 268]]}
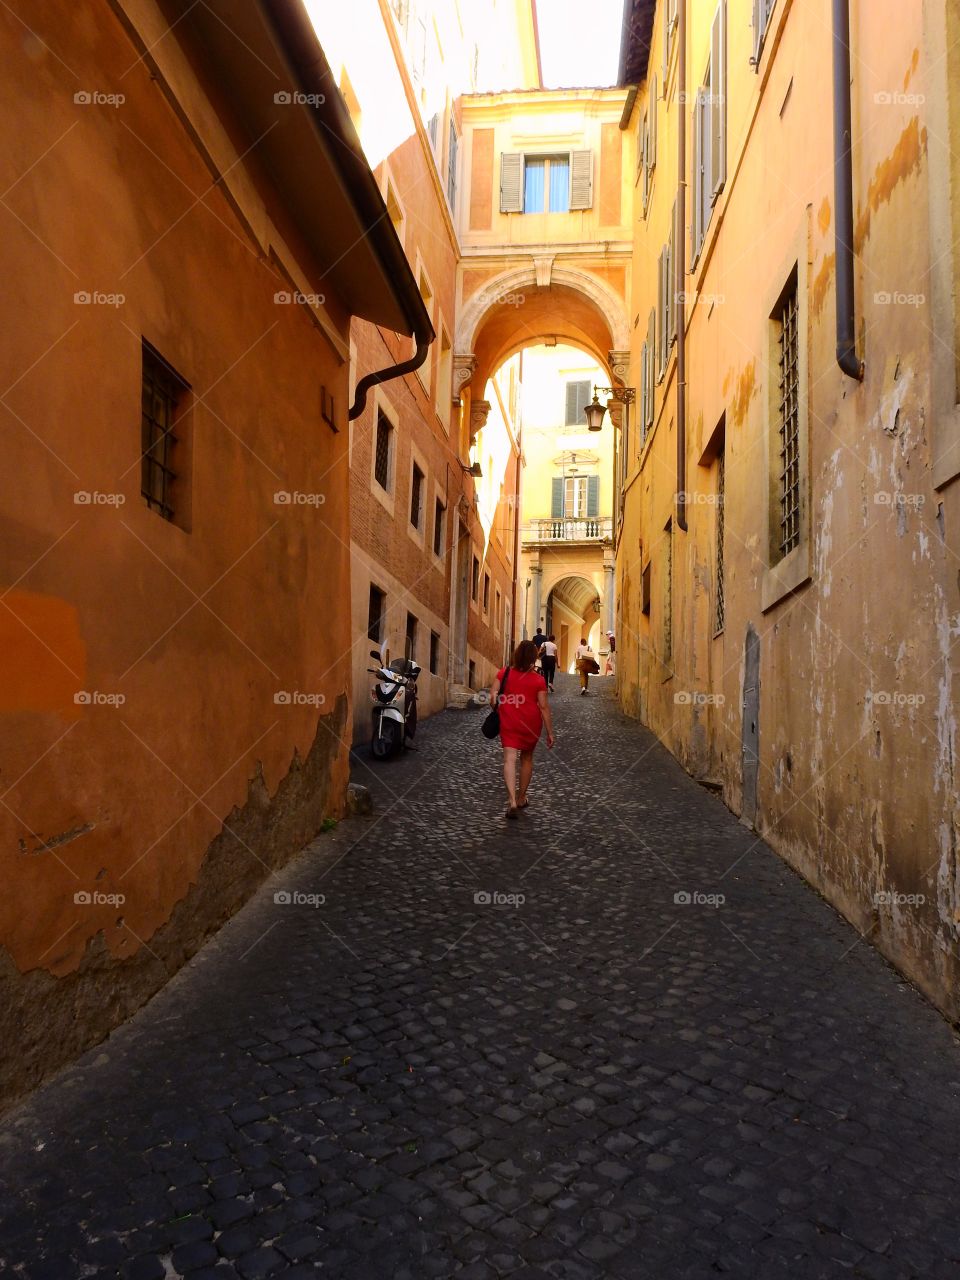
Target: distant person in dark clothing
{"points": [[548, 659]]}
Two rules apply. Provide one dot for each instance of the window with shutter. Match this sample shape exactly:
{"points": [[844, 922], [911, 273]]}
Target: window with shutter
{"points": [[577, 399], [651, 339], [593, 496], [581, 179], [653, 124], [511, 182], [556, 498], [452, 167], [644, 393], [663, 317], [762, 9], [718, 102], [673, 300]]}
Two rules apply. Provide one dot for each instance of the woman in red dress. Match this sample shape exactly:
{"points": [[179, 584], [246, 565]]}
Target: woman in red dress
{"points": [[524, 711]]}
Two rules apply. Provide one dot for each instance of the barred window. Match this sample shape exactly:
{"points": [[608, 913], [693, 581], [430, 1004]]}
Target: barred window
{"points": [[719, 611], [416, 497], [438, 528], [162, 397], [668, 595], [381, 466], [375, 614], [788, 339], [434, 653]]}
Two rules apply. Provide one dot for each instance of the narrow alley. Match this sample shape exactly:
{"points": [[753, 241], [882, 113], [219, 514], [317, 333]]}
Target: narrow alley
{"points": [[619, 1037]]}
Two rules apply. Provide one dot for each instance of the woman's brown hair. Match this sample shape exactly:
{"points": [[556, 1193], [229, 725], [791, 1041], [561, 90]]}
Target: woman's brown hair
{"points": [[525, 655]]}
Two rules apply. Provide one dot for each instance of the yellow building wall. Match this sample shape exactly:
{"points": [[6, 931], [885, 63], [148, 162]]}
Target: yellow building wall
{"points": [[857, 728]]}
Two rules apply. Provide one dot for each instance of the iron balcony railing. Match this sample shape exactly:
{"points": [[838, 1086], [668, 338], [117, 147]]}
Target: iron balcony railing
{"points": [[582, 529]]}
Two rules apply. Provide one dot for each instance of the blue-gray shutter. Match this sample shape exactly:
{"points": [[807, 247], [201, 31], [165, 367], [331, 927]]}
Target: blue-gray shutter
{"points": [[556, 498], [593, 496]]}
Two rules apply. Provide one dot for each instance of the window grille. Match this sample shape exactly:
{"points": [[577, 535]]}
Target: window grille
{"points": [[161, 395], [375, 614], [416, 496], [381, 468], [789, 422], [721, 498], [438, 529], [411, 637], [668, 596], [434, 653]]}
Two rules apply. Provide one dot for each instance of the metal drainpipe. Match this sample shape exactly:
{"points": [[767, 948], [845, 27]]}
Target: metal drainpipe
{"points": [[681, 271], [847, 357], [423, 340]]}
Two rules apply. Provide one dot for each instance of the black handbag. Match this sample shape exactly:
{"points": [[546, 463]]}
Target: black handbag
{"points": [[491, 723]]}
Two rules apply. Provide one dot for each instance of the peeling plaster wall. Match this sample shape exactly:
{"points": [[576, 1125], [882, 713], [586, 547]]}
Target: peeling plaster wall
{"points": [[131, 829], [857, 720]]}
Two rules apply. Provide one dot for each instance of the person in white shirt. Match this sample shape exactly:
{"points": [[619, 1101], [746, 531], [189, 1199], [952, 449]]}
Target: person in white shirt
{"points": [[586, 662], [548, 659]]}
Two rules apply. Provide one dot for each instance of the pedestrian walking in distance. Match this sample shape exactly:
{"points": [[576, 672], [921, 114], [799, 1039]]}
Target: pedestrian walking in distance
{"points": [[524, 712], [548, 660], [586, 665]]}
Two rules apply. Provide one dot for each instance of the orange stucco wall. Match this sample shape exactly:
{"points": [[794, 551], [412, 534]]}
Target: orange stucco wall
{"points": [[146, 660]]}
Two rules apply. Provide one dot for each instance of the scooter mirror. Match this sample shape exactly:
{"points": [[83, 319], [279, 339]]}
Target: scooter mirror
{"points": [[375, 653]]}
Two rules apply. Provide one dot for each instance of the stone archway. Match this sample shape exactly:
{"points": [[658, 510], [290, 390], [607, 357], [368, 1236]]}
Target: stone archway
{"points": [[522, 304]]}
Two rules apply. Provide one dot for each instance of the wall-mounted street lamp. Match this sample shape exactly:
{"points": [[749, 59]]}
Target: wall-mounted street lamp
{"points": [[594, 411], [473, 470]]}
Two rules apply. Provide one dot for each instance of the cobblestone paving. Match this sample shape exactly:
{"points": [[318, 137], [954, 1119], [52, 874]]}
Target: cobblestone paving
{"points": [[413, 1079]]}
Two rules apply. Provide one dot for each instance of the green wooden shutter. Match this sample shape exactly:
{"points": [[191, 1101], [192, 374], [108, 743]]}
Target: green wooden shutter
{"points": [[581, 179], [570, 409], [593, 496], [511, 182], [556, 498], [718, 99]]}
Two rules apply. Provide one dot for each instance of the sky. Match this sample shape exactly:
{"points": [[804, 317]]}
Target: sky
{"points": [[579, 42]]}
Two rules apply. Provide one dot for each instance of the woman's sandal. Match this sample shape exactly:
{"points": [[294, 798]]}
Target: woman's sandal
{"points": [[513, 811], [523, 804]]}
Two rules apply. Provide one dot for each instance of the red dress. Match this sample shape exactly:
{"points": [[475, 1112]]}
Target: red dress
{"points": [[520, 718]]}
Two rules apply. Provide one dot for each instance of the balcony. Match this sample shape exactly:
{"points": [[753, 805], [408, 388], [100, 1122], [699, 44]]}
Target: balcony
{"points": [[583, 529]]}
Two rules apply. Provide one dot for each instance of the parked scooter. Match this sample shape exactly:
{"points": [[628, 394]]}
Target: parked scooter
{"points": [[395, 703]]}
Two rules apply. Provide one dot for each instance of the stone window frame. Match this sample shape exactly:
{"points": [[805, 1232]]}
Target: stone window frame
{"points": [[417, 533], [784, 575], [386, 497], [437, 495]]}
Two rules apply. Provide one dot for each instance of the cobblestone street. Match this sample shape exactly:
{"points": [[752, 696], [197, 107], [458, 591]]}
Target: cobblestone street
{"points": [[507, 1049]]}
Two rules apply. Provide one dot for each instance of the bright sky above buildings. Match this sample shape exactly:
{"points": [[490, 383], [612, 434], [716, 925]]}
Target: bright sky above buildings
{"points": [[579, 42]]}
